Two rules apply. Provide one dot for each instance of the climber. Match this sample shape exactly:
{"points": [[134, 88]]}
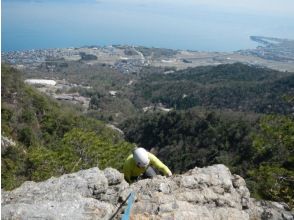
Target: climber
{"points": [[141, 164]]}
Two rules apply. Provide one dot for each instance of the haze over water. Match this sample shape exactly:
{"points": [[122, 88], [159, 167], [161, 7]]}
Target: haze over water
{"points": [[208, 25]]}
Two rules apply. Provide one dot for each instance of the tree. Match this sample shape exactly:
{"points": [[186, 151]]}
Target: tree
{"points": [[274, 147]]}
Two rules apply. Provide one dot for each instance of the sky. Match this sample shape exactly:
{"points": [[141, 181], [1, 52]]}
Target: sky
{"points": [[282, 7], [264, 6]]}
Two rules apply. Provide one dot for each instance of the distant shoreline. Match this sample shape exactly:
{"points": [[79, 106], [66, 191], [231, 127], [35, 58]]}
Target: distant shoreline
{"points": [[259, 40], [272, 53]]}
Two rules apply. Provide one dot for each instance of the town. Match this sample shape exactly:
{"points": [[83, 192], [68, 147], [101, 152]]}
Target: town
{"points": [[274, 53]]}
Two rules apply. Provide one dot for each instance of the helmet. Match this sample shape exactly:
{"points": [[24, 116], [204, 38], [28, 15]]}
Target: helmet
{"points": [[141, 157]]}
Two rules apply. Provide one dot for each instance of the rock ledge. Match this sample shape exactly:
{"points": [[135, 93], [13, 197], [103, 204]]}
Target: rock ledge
{"points": [[201, 193]]}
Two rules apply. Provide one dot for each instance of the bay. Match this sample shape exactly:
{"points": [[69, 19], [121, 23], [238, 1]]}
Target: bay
{"points": [[167, 24]]}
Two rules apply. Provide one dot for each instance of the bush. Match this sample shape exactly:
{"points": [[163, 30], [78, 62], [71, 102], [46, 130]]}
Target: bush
{"points": [[273, 183]]}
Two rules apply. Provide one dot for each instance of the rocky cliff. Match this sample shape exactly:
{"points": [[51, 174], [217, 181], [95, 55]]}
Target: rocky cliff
{"points": [[201, 193]]}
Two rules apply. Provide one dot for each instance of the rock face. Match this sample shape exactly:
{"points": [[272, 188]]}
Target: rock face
{"points": [[201, 193], [88, 194]]}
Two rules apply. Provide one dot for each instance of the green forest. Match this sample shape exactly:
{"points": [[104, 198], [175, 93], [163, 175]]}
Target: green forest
{"points": [[235, 86], [234, 114], [51, 138], [260, 150]]}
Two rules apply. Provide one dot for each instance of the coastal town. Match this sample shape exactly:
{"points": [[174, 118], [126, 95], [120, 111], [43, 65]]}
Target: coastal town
{"points": [[129, 59]]}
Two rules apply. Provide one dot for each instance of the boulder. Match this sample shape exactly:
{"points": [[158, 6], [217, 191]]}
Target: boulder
{"points": [[71, 196]]}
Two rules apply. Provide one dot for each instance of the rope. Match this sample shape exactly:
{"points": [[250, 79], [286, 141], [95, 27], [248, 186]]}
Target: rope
{"points": [[126, 215], [127, 200]]}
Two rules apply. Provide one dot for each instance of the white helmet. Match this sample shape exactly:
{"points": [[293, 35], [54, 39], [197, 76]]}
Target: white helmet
{"points": [[141, 157]]}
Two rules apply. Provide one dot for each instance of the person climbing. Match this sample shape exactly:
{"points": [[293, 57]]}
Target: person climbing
{"points": [[142, 164]]}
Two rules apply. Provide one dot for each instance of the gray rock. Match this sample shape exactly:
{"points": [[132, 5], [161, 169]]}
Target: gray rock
{"points": [[79, 208], [70, 196], [113, 176], [269, 210], [206, 193], [6, 143], [210, 193]]}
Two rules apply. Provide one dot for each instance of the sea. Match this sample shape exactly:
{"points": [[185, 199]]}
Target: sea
{"points": [[190, 25]]}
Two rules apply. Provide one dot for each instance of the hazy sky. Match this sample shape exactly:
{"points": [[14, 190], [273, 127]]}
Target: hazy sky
{"points": [[255, 6], [264, 6]]}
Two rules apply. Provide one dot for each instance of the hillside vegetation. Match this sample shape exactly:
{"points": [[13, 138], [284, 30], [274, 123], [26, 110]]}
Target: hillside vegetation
{"points": [[237, 86], [237, 115], [51, 139], [259, 150]]}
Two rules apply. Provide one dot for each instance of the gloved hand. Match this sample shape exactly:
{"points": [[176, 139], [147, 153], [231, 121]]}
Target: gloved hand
{"points": [[169, 174]]}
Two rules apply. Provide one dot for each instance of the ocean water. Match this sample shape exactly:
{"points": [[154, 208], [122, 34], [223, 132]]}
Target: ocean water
{"points": [[194, 25]]}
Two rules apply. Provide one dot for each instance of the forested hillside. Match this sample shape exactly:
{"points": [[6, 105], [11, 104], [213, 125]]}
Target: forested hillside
{"points": [[237, 86], [260, 150], [237, 115], [51, 138]]}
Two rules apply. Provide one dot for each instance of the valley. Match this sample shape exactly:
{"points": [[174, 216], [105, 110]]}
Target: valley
{"points": [[105, 82], [70, 109]]}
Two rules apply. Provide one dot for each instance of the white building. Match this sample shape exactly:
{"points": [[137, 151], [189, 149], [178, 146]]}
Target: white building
{"points": [[113, 93], [44, 82]]}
